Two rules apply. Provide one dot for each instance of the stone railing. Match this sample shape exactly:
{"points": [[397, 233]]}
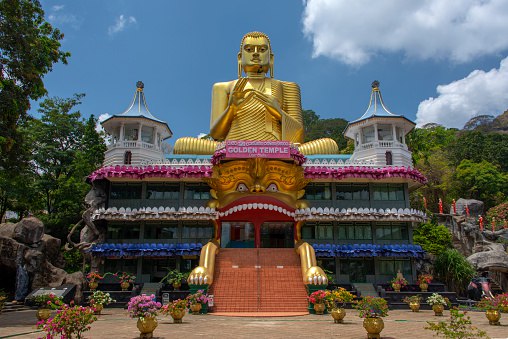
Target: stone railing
{"points": [[132, 144], [382, 144]]}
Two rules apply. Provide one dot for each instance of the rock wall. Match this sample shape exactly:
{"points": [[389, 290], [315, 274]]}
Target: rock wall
{"points": [[35, 256]]}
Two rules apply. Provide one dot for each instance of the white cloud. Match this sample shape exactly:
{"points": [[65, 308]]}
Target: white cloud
{"points": [[479, 93], [60, 18], [355, 31], [101, 118], [121, 24]]}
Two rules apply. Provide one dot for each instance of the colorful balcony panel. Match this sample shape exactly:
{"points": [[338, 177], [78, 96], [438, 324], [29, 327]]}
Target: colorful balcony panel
{"points": [[359, 214], [145, 249], [155, 213], [368, 250], [341, 173], [177, 171]]}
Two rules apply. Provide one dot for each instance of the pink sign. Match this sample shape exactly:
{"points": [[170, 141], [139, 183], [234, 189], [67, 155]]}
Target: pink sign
{"points": [[258, 149]]}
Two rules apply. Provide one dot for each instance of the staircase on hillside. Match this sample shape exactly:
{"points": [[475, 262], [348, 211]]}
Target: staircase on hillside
{"points": [[258, 280]]}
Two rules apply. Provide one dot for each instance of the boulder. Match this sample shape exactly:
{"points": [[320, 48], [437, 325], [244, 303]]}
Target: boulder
{"points": [[29, 231], [475, 207], [496, 259], [7, 230], [9, 249]]}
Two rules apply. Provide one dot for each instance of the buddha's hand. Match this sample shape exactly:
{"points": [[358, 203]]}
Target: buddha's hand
{"points": [[199, 276], [271, 103], [238, 98]]}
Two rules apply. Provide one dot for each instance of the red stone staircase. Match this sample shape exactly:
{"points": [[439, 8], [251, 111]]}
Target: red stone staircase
{"points": [[258, 280]]}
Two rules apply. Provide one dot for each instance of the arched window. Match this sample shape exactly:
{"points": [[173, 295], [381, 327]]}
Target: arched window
{"points": [[127, 158], [389, 158]]}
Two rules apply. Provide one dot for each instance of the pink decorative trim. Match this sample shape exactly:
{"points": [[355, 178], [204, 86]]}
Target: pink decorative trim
{"points": [[220, 154], [322, 172], [156, 171]]}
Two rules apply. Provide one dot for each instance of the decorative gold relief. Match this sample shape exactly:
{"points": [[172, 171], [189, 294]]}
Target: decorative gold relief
{"points": [[278, 179]]}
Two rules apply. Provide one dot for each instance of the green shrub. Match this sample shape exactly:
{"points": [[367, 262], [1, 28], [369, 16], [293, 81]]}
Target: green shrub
{"points": [[433, 238], [458, 327], [453, 269]]}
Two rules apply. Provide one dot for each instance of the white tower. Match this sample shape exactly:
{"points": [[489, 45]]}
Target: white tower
{"points": [[380, 135], [136, 135]]}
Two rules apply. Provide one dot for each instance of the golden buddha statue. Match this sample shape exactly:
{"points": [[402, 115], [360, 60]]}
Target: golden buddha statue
{"points": [[255, 107]]}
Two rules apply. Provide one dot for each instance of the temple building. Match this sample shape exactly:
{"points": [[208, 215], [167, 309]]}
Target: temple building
{"points": [[244, 213]]}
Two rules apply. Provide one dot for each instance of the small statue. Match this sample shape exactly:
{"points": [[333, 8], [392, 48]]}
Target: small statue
{"points": [[454, 207], [493, 225], [480, 221], [505, 224], [467, 211], [425, 203], [440, 206]]}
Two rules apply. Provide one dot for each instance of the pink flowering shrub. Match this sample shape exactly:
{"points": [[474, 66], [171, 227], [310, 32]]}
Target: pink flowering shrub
{"points": [[197, 298], [318, 297], [143, 306], [69, 322]]}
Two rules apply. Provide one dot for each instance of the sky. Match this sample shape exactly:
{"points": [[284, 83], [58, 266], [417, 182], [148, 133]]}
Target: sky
{"points": [[437, 61]]}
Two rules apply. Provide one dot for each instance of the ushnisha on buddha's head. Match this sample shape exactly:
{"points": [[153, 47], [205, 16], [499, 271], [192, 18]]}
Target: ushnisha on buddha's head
{"points": [[255, 56]]}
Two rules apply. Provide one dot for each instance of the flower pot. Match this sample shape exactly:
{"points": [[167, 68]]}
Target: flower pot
{"points": [[504, 309], [98, 308], [424, 286], [195, 308], [177, 285], [319, 308], [438, 309], [43, 314], [177, 316], [374, 326], [338, 315], [493, 316], [414, 306], [146, 326], [125, 285], [396, 287], [93, 285]]}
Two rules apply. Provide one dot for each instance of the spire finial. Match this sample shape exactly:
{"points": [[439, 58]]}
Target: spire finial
{"points": [[140, 85], [375, 85]]}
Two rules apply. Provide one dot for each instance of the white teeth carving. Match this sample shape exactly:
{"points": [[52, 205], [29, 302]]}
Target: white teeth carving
{"points": [[253, 206], [249, 206]]}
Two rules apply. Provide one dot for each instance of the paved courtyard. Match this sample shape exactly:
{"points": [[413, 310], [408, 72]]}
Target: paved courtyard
{"points": [[114, 323]]}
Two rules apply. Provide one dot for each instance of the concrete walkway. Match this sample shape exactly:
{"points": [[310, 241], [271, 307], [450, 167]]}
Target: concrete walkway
{"points": [[114, 323]]}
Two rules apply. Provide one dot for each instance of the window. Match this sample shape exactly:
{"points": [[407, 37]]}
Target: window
{"points": [[318, 192], [388, 192], [391, 267], [125, 191], [197, 192], [384, 132], [166, 191], [355, 231], [368, 134], [352, 192], [131, 132], [120, 265], [147, 134], [392, 231], [197, 230], [166, 230], [318, 231], [127, 158], [122, 232]]}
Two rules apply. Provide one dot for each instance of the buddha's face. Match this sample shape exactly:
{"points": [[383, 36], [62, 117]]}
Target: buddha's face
{"points": [[255, 54]]}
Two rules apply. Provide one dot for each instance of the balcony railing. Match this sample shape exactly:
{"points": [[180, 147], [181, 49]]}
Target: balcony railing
{"points": [[133, 144], [383, 144]]}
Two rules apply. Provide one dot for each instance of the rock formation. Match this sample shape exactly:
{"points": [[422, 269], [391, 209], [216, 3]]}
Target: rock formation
{"points": [[34, 256]]}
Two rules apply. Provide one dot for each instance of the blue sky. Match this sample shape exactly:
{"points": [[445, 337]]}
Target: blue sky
{"points": [[437, 61]]}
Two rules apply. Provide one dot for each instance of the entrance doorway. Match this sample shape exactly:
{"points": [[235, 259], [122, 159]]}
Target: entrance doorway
{"points": [[277, 235], [357, 269], [239, 234]]}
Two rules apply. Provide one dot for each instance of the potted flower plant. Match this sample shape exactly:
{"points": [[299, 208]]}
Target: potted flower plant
{"points": [[45, 303], [317, 298], [335, 301], [196, 301], [398, 282], [99, 299], [491, 308], [176, 309], [93, 278], [145, 308], [424, 281], [69, 322], [438, 303], [175, 278], [372, 309], [413, 302], [503, 302], [126, 279]]}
